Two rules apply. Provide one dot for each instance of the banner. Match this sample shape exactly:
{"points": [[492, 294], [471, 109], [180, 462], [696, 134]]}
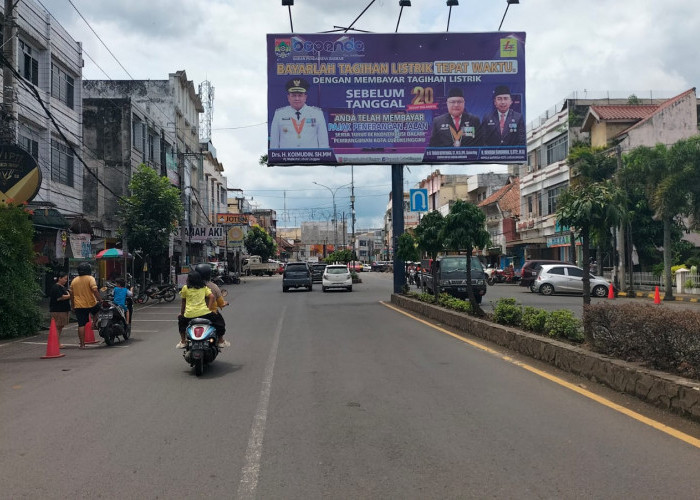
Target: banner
{"points": [[80, 246], [338, 99], [202, 233]]}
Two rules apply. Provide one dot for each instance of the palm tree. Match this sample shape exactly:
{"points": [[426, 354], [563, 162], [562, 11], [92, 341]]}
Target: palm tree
{"points": [[465, 229], [670, 178]]}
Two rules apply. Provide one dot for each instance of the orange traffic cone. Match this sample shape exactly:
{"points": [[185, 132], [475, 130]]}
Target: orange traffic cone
{"points": [[89, 334], [52, 347], [657, 297], [611, 292]]}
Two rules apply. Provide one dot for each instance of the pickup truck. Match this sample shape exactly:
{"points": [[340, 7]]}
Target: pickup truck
{"points": [[451, 272], [255, 266]]}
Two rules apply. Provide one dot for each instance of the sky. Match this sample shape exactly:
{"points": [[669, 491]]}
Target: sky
{"points": [[583, 46]]}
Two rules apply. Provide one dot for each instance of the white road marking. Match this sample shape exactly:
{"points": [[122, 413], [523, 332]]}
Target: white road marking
{"points": [[251, 467]]}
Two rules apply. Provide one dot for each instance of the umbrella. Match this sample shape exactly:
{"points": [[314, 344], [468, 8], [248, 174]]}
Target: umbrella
{"points": [[112, 253]]}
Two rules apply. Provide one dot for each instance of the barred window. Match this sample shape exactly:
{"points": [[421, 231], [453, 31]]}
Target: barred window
{"points": [[62, 86], [61, 163]]}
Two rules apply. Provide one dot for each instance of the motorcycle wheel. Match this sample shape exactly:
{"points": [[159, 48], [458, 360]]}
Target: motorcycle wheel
{"points": [[491, 281], [109, 336], [142, 298], [169, 295], [199, 367], [127, 333]]}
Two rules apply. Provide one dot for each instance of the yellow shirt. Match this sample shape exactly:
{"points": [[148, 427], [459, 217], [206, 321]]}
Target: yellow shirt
{"points": [[195, 301], [82, 289]]}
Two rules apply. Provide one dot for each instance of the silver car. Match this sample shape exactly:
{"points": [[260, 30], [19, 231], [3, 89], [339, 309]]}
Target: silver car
{"points": [[562, 278]]}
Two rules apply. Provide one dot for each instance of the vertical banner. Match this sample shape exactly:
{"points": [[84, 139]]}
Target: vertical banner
{"points": [[396, 98]]}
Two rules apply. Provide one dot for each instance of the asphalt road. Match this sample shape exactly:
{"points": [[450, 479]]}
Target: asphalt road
{"points": [[322, 395]]}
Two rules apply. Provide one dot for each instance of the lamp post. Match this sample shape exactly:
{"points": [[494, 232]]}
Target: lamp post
{"points": [[335, 215], [506, 12]]}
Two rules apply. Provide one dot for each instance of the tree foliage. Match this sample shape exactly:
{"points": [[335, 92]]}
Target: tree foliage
{"points": [[465, 230], [259, 242], [343, 256], [19, 291], [429, 238], [152, 213]]}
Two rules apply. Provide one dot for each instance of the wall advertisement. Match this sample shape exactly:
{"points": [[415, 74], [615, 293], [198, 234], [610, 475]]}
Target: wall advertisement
{"points": [[338, 99]]}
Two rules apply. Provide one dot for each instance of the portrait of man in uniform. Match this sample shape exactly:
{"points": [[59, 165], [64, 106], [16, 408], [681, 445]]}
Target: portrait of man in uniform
{"points": [[503, 126], [456, 128], [298, 125]]}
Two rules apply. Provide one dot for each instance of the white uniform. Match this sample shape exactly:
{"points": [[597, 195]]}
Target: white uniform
{"points": [[305, 130]]}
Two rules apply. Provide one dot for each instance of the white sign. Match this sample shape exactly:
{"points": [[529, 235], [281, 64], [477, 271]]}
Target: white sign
{"points": [[203, 233], [81, 246]]}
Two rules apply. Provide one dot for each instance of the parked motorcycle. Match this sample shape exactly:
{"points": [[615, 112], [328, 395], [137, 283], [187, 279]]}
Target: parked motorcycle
{"points": [[491, 275], [166, 292], [111, 322], [202, 346]]}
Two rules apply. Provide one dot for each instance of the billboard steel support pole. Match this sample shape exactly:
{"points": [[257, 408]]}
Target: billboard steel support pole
{"points": [[397, 224]]}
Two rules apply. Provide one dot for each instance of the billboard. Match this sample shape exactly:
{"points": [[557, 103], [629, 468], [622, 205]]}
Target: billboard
{"points": [[337, 99]]}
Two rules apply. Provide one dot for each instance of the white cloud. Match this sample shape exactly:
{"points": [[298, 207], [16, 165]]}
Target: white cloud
{"points": [[572, 45]]}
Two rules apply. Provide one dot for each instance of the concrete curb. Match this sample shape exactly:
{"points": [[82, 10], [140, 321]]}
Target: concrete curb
{"points": [[650, 295], [678, 394]]}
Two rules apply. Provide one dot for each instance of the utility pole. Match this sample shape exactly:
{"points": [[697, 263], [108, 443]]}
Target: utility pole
{"points": [[9, 51], [621, 239]]}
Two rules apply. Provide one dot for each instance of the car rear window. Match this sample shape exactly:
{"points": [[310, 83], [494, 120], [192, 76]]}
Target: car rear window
{"points": [[336, 270], [296, 267]]}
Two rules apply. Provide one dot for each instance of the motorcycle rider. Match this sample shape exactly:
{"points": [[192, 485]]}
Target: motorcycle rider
{"points": [[197, 302], [205, 272], [84, 299]]}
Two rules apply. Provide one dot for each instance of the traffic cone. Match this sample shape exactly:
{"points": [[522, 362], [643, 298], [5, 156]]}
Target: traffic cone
{"points": [[657, 297], [611, 292], [89, 334], [52, 347]]}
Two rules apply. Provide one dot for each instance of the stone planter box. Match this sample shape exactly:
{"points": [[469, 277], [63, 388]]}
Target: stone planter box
{"points": [[677, 394]]}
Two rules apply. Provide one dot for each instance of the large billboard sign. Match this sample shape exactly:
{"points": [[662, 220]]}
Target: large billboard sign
{"points": [[338, 99]]}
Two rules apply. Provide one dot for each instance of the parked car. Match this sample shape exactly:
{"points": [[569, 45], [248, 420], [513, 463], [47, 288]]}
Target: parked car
{"points": [[317, 270], [355, 266], [366, 268], [336, 276], [528, 272], [297, 275], [567, 278]]}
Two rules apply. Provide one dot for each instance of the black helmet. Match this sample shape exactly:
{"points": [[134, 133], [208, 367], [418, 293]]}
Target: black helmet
{"points": [[204, 271], [84, 269]]}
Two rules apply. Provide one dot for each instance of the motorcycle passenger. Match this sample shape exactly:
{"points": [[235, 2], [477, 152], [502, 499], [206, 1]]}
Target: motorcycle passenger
{"points": [[120, 298], [205, 271], [84, 299], [197, 302]]}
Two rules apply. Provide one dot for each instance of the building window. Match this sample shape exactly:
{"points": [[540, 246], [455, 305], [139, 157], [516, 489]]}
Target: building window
{"points": [[30, 146], [137, 134], [62, 86], [61, 163], [552, 197], [29, 64], [557, 149]]}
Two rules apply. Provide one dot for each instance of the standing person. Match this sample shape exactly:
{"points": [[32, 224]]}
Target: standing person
{"points": [[197, 302], [84, 298], [59, 302], [298, 125], [456, 128], [121, 294], [205, 271], [503, 126]]}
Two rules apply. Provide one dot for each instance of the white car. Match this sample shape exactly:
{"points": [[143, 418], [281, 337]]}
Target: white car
{"points": [[336, 276], [366, 268], [567, 278]]}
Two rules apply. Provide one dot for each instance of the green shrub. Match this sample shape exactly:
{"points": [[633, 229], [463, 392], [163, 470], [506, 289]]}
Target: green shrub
{"points": [[507, 312], [676, 268], [534, 319], [689, 283], [563, 324], [19, 291], [426, 297]]}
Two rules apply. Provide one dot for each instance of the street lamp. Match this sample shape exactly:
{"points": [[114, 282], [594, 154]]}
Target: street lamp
{"points": [[335, 215], [506, 12]]}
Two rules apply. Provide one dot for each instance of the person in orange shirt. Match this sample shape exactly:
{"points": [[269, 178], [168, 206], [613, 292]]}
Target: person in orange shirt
{"points": [[84, 299]]}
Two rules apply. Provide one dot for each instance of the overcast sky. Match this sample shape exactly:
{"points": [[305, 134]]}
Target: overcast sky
{"points": [[624, 46]]}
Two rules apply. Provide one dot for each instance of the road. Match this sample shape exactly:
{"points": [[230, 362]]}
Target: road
{"points": [[322, 395]]}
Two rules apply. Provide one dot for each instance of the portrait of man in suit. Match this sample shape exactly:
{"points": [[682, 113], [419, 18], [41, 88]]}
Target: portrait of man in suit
{"points": [[503, 126], [456, 128], [298, 125]]}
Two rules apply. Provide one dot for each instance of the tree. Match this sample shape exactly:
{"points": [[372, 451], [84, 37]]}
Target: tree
{"points": [[258, 242], [429, 238], [151, 214], [343, 256], [584, 206], [407, 249], [670, 178], [19, 291], [465, 230]]}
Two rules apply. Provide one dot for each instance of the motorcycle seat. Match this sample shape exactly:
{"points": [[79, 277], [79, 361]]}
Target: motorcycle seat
{"points": [[200, 321]]}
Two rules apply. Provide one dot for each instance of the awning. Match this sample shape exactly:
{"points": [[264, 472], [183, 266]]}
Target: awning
{"points": [[49, 218]]}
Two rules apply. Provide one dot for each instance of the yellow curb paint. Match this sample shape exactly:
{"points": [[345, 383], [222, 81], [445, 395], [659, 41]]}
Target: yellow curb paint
{"points": [[599, 399]]}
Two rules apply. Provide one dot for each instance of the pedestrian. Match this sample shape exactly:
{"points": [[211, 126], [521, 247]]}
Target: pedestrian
{"points": [[593, 266], [197, 302], [59, 302], [85, 298]]}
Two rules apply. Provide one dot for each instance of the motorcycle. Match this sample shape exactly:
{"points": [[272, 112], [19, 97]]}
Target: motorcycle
{"points": [[111, 322], [491, 275], [166, 292], [202, 344]]}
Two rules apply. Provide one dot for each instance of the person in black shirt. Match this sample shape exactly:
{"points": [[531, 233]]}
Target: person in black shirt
{"points": [[59, 302]]}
